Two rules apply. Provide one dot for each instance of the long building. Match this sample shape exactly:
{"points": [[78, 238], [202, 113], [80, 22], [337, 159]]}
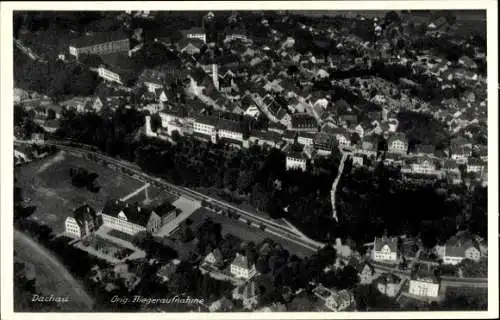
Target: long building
{"points": [[100, 43], [132, 219]]}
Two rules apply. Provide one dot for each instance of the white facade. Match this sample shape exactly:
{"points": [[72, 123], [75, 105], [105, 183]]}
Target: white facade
{"points": [[343, 141], [295, 163], [459, 158], [385, 254], [109, 75], [152, 86], [252, 111], [229, 134], [398, 146], [306, 141], [72, 227], [122, 224], [474, 168], [424, 288], [206, 129], [243, 273], [424, 167], [357, 160], [201, 36]]}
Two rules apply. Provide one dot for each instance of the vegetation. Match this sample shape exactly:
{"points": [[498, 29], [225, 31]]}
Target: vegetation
{"points": [[80, 178], [54, 78]]}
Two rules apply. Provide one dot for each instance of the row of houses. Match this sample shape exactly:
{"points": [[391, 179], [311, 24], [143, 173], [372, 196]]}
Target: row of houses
{"points": [[454, 251]]}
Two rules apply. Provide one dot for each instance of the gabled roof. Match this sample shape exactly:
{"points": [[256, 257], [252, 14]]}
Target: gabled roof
{"points": [[84, 213], [98, 38], [241, 261], [397, 136], [392, 242], [134, 213], [164, 209]]}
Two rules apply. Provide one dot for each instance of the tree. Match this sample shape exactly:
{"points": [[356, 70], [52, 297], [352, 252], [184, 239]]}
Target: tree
{"points": [[262, 265], [348, 277], [156, 122]]}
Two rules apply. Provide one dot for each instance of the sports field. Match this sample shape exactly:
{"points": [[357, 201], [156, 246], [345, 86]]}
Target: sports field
{"points": [[48, 186]]}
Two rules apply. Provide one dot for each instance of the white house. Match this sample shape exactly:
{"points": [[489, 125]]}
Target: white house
{"points": [[295, 161], [252, 111], [109, 75], [241, 268], [305, 138], [130, 219], [339, 301], [83, 222], [427, 287], [385, 249], [357, 159], [397, 143], [456, 250]]}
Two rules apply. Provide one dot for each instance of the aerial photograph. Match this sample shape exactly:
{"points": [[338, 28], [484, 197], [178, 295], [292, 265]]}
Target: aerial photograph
{"points": [[250, 161]]}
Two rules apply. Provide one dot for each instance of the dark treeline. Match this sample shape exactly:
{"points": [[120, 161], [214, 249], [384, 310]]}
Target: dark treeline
{"points": [[368, 201]]}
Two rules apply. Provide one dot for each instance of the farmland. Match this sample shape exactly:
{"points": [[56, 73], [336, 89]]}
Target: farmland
{"points": [[48, 186]]}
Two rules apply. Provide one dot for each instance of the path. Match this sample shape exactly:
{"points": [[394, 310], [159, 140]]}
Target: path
{"points": [[51, 276], [335, 184], [136, 192]]}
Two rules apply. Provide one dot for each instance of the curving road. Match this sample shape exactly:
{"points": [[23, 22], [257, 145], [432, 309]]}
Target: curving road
{"points": [[52, 278]]}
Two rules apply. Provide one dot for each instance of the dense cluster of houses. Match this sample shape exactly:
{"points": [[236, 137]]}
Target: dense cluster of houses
{"points": [[248, 80]]}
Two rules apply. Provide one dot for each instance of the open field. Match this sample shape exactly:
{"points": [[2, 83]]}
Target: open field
{"points": [[49, 187], [51, 276], [245, 232]]}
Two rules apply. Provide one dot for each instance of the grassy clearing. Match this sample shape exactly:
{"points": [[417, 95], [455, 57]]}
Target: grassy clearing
{"points": [[55, 198]]}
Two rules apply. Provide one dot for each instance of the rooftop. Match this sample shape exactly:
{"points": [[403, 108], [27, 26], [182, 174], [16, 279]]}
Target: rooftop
{"points": [[98, 38]]}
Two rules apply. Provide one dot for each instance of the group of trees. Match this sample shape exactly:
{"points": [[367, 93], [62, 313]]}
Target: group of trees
{"points": [[370, 203], [54, 78], [80, 178], [303, 197], [281, 273]]}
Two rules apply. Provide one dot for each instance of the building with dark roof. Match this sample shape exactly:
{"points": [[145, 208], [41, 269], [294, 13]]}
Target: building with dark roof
{"points": [[130, 218], [83, 222], [100, 43], [304, 122], [457, 249], [324, 142]]}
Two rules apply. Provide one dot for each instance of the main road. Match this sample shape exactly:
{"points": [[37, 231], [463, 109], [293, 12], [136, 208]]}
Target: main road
{"points": [[286, 232]]}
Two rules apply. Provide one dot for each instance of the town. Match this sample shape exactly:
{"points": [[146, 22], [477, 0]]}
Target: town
{"points": [[254, 161]]}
